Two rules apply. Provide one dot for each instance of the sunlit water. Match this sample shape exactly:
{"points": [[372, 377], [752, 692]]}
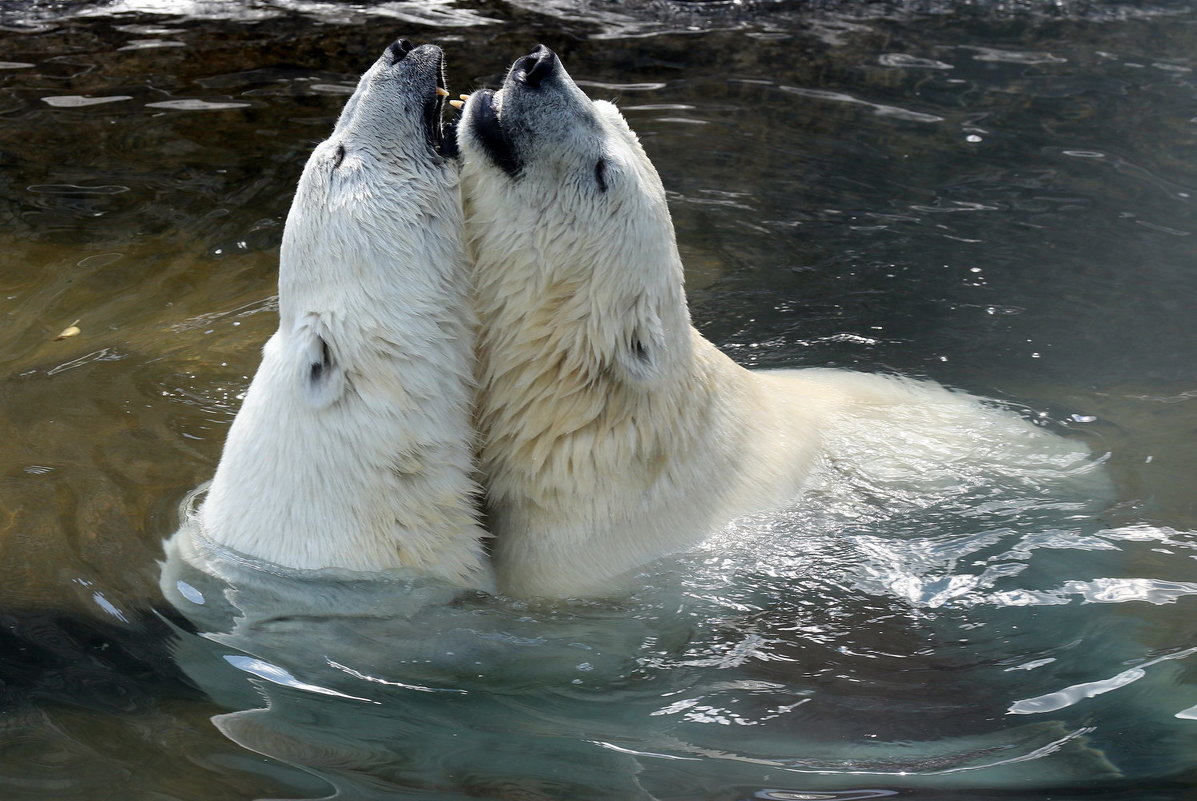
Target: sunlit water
{"points": [[997, 196]]}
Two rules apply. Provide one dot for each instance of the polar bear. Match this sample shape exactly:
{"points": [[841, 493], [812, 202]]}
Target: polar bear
{"points": [[611, 431], [353, 448]]}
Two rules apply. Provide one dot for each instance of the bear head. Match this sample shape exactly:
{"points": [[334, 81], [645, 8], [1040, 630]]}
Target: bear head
{"points": [[565, 210]]}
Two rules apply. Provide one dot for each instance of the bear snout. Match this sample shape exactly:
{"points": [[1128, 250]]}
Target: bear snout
{"points": [[399, 49], [533, 68]]}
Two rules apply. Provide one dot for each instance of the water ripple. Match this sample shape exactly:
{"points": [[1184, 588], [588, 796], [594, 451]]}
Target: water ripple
{"points": [[196, 104], [1079, 692], [441, 13], [101, 355], [1014, 56], [150, 44], [904, 61], [880, 109], [1121, 590], [282, 677], [78, 101], [73, 189]]}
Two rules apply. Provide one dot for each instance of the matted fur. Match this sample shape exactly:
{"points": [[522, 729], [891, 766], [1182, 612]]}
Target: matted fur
{"points": [[612, 432], [353, 447]]}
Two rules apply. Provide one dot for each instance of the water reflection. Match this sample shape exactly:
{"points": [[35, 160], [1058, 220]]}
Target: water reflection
{"points": [[998, 197]]}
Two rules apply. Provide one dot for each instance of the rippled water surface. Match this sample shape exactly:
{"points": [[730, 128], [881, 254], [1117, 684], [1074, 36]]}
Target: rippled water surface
{"points": [[999, 196]]}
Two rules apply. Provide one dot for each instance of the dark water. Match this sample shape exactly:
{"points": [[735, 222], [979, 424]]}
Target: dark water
{"points": [[999, 196]]}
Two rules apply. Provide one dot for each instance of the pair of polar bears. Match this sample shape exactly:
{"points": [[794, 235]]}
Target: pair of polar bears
{"points": [[514, 312]]}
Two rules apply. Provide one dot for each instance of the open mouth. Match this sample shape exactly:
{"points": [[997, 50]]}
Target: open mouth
{"points": [[441, 135], [484, 117]]}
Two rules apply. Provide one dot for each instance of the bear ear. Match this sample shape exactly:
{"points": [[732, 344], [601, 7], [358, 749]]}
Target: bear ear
{"points": [[641, 352], [321, 375]]}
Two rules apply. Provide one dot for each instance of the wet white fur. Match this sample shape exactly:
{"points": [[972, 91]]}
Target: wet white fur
{"points": [[366, 466], [612, 431]]}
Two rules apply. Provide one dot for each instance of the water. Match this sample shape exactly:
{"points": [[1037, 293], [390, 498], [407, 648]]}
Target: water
{"points": [[997, 196]]}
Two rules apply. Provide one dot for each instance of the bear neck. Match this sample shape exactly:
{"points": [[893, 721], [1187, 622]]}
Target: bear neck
{"points": [[564, 424], [363, 462]]}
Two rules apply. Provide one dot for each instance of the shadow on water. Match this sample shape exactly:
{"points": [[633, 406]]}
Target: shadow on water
{"points": [[995, 195]]}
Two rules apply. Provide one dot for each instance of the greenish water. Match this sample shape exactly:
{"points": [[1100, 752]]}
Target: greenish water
{"points": [[996, 196]]}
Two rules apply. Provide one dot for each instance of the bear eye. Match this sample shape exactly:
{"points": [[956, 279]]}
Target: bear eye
{"points": [[600, 174], [340, 156]]}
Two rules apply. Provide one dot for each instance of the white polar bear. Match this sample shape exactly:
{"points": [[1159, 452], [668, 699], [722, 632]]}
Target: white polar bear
{"points": [[353, 448], [611, 431]]}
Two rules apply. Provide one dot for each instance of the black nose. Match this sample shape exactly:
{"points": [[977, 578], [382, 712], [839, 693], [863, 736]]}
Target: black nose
{"points": [[536, 66], [399, 49]]}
